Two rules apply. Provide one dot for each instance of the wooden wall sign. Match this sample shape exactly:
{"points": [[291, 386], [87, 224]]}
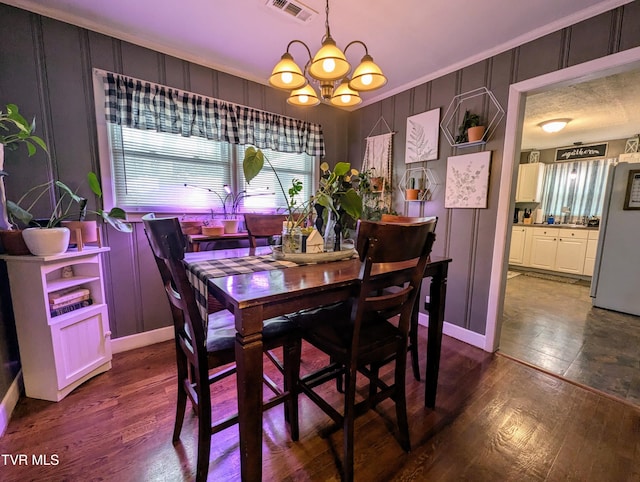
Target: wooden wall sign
{"points": [[581, 152]]}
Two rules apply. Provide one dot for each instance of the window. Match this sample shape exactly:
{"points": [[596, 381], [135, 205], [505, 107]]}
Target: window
{"points": [[573, 190], [166, 150], [162, 172]]}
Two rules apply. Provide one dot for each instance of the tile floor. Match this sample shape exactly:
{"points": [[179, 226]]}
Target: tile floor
{"points": [[553, 325]]}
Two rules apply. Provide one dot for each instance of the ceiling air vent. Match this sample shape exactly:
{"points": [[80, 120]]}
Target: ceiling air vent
{"points": [[298, 10]]}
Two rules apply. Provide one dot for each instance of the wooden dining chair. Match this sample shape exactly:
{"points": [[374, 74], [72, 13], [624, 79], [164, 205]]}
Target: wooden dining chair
{"points": [[358, 335], [413, 332], [201, 347], [263, 226]]}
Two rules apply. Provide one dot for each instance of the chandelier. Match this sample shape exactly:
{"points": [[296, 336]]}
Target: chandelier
{"points": [[329, 69]]}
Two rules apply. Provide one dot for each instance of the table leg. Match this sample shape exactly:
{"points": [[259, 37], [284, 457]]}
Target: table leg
{"points": [[249, 381], [437, 297]]}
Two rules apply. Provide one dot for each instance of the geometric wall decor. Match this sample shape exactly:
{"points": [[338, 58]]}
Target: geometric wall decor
{"points": [[631, 146], [458, 104]]}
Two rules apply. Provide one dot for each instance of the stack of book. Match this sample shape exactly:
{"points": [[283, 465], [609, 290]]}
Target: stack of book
{"points": [[70, 299]]}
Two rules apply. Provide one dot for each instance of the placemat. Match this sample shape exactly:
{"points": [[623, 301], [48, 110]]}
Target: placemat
{"points": [[200, 272]]}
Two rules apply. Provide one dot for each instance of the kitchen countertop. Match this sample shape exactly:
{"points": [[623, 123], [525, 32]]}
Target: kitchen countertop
{"points": [[561, 226]]}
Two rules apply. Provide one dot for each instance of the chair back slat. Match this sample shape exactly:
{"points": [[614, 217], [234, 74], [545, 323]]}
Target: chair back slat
{"points": [[391, 244], [262, 226]]}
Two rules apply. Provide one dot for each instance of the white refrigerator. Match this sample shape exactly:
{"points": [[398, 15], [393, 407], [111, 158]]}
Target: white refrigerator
{"points": [[615, 284]]}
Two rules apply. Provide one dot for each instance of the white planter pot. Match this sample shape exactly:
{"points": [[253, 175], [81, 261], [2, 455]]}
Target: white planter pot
{"points": [[230, 226], [46, 241]]}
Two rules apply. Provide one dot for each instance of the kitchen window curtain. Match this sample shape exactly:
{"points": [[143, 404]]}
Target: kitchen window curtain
{"points": [[145, 105], [578, 186]]}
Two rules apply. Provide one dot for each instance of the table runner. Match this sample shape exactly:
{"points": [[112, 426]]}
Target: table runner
{"points": [[199, 272]]}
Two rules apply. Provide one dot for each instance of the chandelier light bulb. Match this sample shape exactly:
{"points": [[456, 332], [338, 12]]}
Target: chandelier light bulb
{"points": [[367, 79], [329, 65], [303, 99], [287, 77], [345, 99]]}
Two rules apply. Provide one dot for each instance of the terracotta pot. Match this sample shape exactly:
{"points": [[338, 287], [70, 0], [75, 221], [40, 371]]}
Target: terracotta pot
{"points": [[88, 231], [412, 194], [475, 133], [13, 242], [46, 241], [191, 227], [377, 183]]}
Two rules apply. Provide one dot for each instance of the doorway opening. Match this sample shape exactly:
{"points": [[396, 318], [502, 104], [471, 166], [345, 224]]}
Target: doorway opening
{"points": [[617, 63]]}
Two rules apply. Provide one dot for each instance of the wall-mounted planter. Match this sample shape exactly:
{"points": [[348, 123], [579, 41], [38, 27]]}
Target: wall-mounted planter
{"points": [[472, 100]]}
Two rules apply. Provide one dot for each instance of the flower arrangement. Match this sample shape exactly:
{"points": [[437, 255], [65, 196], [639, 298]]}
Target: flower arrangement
{"points": [[337, 194]]}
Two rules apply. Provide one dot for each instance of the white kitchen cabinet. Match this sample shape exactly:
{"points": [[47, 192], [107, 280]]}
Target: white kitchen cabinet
{"points": [[572, 246], [529, 187], [544, 245], [520, 247], [58, 353], [590, 254], [557, 249]]}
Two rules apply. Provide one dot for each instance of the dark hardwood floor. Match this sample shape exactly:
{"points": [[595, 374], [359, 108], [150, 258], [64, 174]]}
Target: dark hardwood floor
{"points": [[495, 420], [554, 326]]}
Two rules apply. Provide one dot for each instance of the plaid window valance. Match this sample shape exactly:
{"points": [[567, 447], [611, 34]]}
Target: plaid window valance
{"points": [[145, 105]]}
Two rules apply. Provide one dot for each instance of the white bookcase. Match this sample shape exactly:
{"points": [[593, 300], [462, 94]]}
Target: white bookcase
{"points": [[58, 353]]}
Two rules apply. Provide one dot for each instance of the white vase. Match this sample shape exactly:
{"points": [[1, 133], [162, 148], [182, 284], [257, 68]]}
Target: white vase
{"points": [[46, 241]]}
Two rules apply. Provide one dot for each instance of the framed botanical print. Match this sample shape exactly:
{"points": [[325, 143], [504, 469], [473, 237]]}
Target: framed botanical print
{"points": [[467, 182], [422, 137]]}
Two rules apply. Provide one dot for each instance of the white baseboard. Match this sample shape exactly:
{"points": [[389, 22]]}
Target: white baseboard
{"points": [[9, 402], [131, 342], [454, 331]]}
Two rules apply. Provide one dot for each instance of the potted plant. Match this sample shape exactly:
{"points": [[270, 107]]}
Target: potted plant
{"points": [[297, 212], [50, 237], [231, 221], [375, 202], [471, 129], [14, 130], [411, 192]]}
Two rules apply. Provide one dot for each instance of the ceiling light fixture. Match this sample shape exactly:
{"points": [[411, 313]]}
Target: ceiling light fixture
{"points": [[329, 69], [554, 125]]}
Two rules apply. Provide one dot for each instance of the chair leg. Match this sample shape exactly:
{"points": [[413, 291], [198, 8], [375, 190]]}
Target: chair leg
{"points": [[339, 380], [204, 427], [373, 380], [413, 348], [181, 402], [348, 424], [181, 405], [401, 401], [292, 355]]}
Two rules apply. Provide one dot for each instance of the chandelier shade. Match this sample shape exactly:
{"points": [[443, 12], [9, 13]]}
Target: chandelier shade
{"points": [[328, 69], [286, 74], [329, 63], [305, 96], [367, 76], [344, 96]]}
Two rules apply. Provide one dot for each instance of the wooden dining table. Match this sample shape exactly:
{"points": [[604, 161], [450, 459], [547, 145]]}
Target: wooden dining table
{"points": [[265, 288]]}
